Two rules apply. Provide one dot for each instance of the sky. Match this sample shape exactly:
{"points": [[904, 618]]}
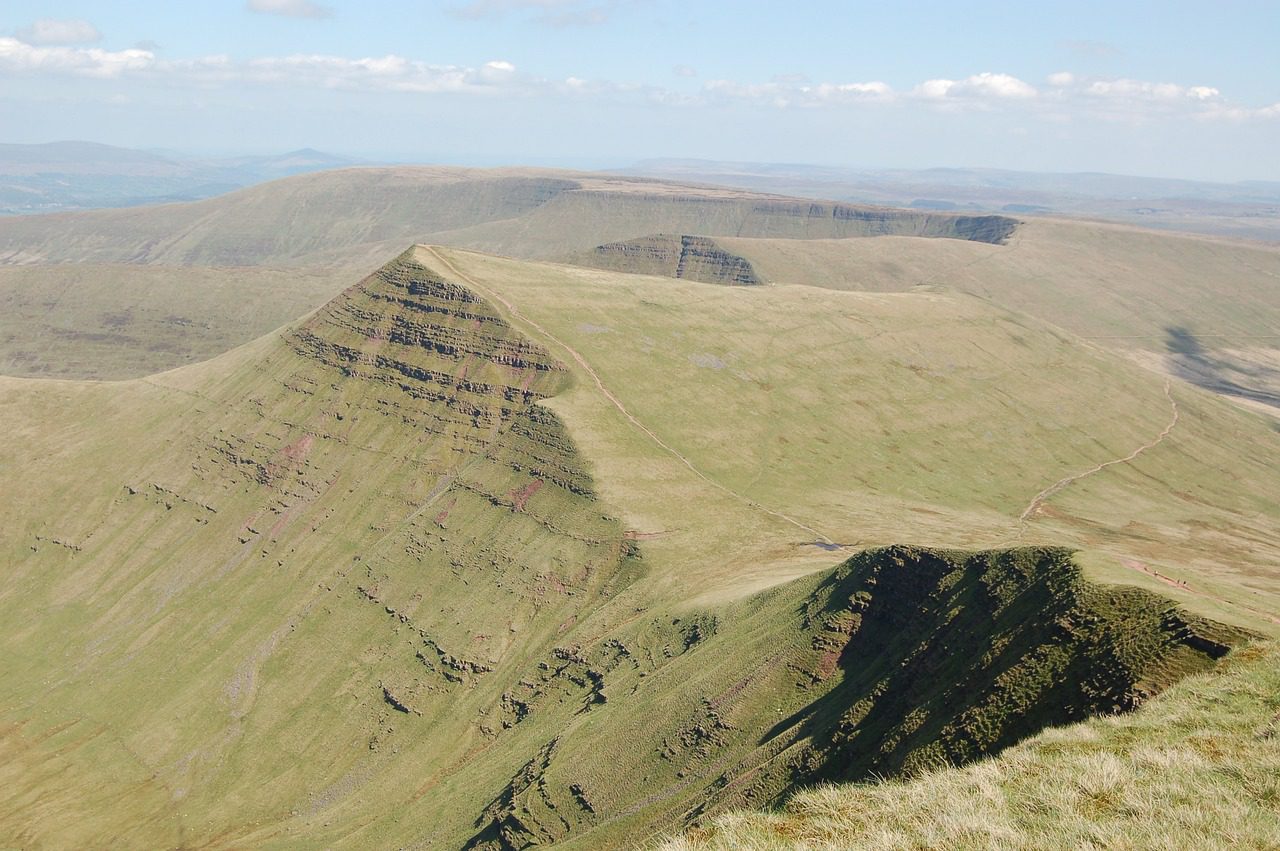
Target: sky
{"points": [[1169, 89]]}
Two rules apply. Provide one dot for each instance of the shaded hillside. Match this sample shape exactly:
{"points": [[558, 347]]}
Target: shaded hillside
{"points": [[1195, 768], [901, 658], [697, 258]]}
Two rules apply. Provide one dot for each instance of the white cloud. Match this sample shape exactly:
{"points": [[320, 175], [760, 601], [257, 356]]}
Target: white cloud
{"points": [[934, 89], [289, 8], [984, 86], [1062, 78], [845, 92], [59, 31], [21, 57], [1124, 89], [684, 71]]}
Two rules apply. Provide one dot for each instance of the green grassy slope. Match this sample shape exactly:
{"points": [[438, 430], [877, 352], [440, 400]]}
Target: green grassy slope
{"points": [[1095, 280], [489, 551], [270, 576]]}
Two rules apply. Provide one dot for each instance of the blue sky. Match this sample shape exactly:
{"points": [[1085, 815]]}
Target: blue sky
{"points": [[1175, 89]]}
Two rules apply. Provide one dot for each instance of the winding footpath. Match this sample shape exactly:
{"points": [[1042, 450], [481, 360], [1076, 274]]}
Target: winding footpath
{"points": [[1132, 564], [1061, 484], [617, 403]]}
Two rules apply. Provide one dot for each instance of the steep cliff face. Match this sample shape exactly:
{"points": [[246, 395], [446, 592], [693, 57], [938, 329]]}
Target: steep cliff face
{"points": [[697, 258]]}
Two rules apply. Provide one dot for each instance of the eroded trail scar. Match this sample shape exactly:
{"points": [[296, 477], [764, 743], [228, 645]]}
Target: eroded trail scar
{"points": [[1059, 485], [617, 403]]}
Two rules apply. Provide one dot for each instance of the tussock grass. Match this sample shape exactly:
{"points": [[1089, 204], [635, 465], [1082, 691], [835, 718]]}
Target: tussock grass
{"points": [[1198, 767]]}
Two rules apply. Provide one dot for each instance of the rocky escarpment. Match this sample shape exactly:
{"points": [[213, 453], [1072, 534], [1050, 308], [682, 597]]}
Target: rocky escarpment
{"points": [[607, 216], [697, 258]]}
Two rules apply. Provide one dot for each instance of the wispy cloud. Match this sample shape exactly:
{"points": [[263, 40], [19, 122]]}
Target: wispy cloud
{"points": [[289, 8], [1063, 96], [386, 73], [781, 93], [1092, 49], [59, 31], [556, 13]]}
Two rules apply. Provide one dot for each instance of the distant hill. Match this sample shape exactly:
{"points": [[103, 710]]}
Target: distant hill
{"points": [[521, 212], [1249, 209], [64, 176]]}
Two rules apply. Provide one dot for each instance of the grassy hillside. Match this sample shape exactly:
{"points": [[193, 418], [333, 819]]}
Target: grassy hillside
{"points": [[488, 552], [868, 419], [1199, 309], [113, 321]]}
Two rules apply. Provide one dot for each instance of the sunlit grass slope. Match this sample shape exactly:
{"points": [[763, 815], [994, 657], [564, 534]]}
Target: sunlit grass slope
{"points": [[489, 552], [1201, 309]]}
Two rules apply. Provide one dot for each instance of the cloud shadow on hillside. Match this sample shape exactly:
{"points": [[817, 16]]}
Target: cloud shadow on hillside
{"points": [[1191, 361]]}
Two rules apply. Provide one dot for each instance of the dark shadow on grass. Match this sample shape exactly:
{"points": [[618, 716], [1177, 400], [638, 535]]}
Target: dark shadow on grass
{"points": [[943, 658], [1191, 361]]}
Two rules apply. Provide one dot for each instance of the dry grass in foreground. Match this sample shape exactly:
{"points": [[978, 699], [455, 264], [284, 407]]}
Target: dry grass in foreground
{"points": [[1198, 767]]}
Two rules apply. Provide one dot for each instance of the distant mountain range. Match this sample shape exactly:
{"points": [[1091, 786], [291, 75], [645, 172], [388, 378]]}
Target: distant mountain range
{"points": [[64, 176]]}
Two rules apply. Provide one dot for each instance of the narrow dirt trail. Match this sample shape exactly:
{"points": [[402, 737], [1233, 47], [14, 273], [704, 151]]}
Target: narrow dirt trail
{"points": [[1061, 484], [1133, 564], [617, 403]]}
